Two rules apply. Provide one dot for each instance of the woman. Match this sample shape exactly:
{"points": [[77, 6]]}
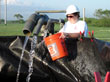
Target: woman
{"points": [[73, 26]]}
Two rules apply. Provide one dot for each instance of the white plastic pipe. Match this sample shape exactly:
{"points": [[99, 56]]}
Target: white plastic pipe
{"points": [[83, 14], [5, 12]]}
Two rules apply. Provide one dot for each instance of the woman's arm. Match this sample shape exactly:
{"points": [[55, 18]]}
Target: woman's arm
{"points": [[70, 35], [73, 35]]}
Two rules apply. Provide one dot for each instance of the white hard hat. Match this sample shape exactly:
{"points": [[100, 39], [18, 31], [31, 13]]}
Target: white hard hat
{"points": [[72, 9]]}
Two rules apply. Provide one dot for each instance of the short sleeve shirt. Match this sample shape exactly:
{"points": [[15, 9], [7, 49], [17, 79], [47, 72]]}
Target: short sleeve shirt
{"points": [[78, 27]]}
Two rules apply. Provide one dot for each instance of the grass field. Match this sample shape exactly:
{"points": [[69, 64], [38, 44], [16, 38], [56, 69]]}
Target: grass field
{"points": [[102, 33], [11, 29]]}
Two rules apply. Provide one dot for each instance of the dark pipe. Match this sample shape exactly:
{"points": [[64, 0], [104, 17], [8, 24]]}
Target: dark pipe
{"points": [[62, 21], [54, 21], [57, 20], [31, 23], [43, 19]]}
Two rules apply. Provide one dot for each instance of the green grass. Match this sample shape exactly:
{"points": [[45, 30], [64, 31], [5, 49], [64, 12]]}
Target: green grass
{"points": [[102, 33], [11, 29]]}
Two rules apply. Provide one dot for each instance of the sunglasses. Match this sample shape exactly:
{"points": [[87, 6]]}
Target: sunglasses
{"points": [[69, 16]]}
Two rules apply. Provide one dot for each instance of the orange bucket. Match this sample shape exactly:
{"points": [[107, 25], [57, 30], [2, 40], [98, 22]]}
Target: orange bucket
{"points": [[56, 46]]}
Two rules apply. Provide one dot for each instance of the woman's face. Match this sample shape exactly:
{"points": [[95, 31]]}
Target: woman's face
{"points": [[72, 18]]}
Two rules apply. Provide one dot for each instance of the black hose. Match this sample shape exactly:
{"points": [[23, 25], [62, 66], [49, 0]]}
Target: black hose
{"points": [[43, 20], [31, 23]]}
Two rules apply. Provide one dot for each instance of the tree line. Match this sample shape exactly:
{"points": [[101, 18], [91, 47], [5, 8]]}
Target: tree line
{"points": [[19, 19], [102, 18]]}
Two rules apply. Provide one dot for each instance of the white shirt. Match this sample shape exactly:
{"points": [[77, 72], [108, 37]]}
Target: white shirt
{"points": [[75, 28]]}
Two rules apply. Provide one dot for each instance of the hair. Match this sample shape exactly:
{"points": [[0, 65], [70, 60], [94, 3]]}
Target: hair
{"points": [[76, 14]]}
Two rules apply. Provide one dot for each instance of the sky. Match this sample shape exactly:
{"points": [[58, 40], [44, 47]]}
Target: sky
{"points": [[28, 7]]}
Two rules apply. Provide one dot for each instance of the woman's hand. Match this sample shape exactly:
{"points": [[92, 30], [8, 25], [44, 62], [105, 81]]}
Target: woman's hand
{"points": [[64, 35]]}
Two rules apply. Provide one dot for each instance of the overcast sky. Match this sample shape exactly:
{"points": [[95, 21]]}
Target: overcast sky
{"points": [[27, 7]]}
